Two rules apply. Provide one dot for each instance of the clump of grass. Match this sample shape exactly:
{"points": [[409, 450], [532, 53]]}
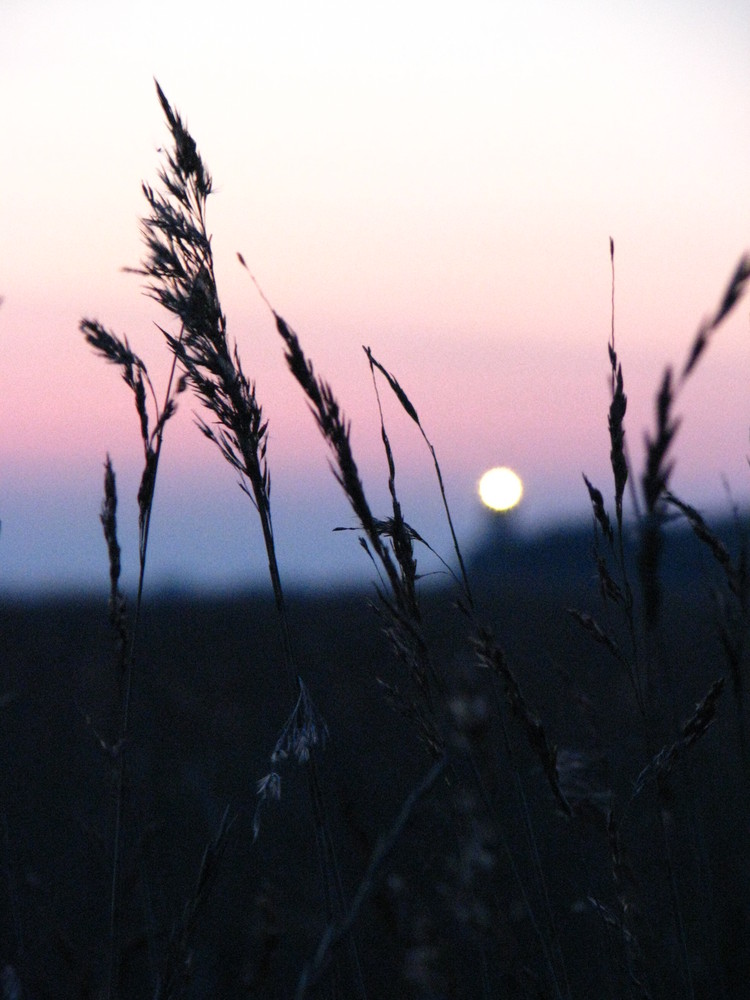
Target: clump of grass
{"points": [[649, 673], [502, 802], [180, 275]]}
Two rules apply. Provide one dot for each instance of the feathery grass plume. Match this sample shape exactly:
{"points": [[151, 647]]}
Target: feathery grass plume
{"points": [[619, 592], [402, 624], [655, 479], [733, 614], [335, 429], [691, 731], [658, 470], [712, 542], [550, 946], [734, 292], [401, 539], [619, 459], [117, 351], [386, 528], [412, 412], [492, 657], [400, 606], [108, 517], [304, 730], [406, 635], [616, 418], [654, 482], [179, 266], [600, 514], [595, 630], [608, 586], [592, 628]]}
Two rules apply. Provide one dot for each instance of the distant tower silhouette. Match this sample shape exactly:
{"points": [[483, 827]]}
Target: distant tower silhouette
{"points": [[501, 527]]}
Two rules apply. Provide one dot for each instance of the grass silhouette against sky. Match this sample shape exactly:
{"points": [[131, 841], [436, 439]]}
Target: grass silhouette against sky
{"points": [[442, 188]]}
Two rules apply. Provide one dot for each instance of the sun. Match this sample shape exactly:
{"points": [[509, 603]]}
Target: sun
{"points": [[500, 488]]}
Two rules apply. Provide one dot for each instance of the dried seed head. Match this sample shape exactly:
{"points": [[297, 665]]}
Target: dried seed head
{"points": [[269, 788], [303, 730]]}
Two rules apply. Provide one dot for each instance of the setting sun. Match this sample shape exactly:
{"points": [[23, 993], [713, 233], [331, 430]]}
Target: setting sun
{"points": [[500, 489]]}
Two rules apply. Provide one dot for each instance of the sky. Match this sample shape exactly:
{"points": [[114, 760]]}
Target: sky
{"points": [[439, 182]]}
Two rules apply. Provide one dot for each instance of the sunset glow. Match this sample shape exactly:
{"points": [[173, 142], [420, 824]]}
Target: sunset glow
{"points": [[500, 489], [440, 184]]}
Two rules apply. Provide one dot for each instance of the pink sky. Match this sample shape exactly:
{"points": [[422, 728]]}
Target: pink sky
{"points": [[438, 183]]}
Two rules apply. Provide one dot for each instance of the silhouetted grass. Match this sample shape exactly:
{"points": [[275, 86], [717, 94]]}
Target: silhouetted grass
{"points": [[482, 803]]}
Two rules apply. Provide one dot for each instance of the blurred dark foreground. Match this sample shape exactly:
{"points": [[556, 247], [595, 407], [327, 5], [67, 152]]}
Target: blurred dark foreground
{"points": [[458, 908]]}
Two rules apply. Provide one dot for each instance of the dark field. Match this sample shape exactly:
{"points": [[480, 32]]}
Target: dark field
{"points": [[460, 906]]}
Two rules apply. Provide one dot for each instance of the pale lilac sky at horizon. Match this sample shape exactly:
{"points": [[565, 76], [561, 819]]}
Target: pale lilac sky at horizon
{"points": [[437, 182]]}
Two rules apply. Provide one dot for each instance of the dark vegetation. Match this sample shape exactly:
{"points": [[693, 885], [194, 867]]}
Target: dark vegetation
{"points": [[527, 780]]}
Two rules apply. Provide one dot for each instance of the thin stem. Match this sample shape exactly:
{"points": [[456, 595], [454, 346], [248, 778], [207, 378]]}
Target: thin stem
{"points": [[113, 975], [334, 933]]}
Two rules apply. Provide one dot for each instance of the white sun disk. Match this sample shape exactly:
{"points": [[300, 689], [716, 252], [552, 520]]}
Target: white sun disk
{"points": [[500, 488]]}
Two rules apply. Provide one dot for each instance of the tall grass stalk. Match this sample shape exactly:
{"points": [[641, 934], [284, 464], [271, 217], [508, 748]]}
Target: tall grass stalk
{"points": [[491, 658], [179, 268], [117, 351], [489, 653], [403, 622], [653, 686]]}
